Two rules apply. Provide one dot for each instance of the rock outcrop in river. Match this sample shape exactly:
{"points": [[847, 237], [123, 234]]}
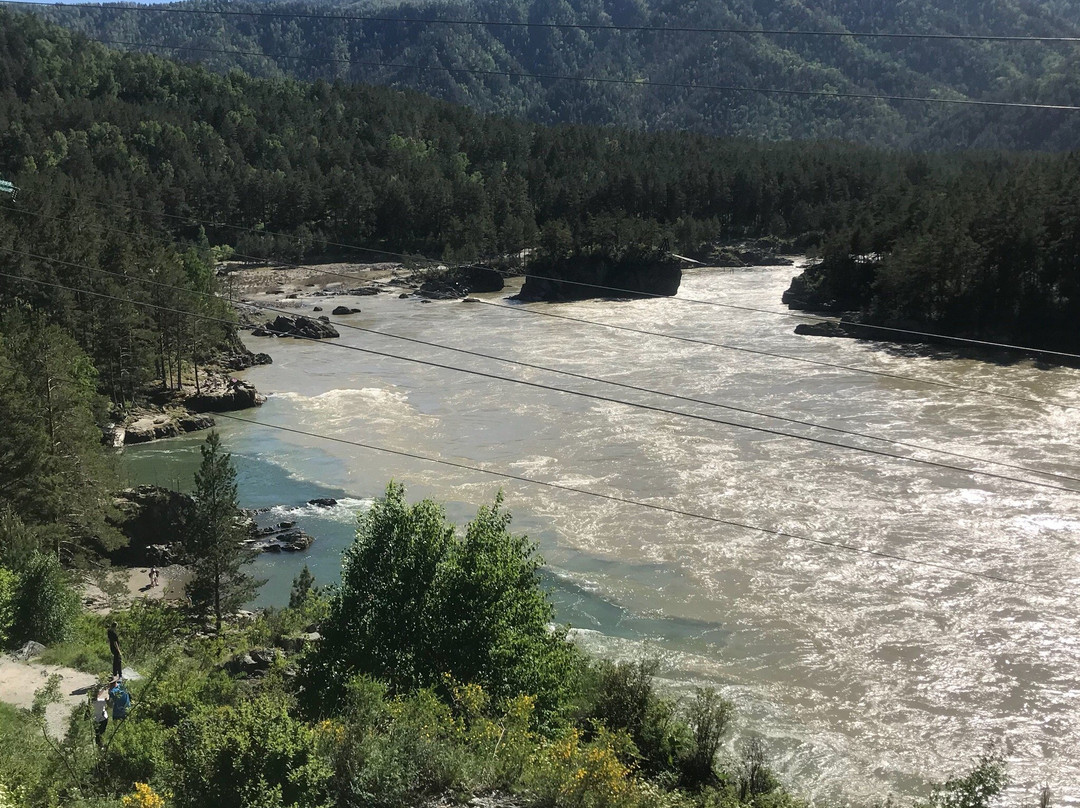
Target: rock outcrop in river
{"points": [[151, 517], [298, 326], [596, 276]]}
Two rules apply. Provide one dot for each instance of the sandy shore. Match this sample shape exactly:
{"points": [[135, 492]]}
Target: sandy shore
{"points": [[119, 587], [247, 281]]}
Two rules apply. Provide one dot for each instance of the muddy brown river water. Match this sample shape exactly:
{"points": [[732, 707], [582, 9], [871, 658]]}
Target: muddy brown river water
{"points": [[865, 675]]}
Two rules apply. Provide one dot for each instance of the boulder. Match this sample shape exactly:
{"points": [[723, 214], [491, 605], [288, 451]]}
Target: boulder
{"points": [[148, 516], [342, 310], [220, 393], [285, 537], [254, 664], [146, 426], [238, 357], [28, 651], [317, 308], [825, 328], [300, 327], [323, 502], [296, 643]]}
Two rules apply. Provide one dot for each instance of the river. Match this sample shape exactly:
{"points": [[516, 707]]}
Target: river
{"points": [[865, 675]]}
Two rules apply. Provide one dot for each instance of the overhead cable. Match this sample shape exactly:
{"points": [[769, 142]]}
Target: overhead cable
{"points": [[836, 545], [571, 374], [659, 334], [522, 382], [521, 478]]}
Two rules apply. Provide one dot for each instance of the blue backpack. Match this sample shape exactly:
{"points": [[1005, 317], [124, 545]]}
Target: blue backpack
{"points": [[121, 701]]}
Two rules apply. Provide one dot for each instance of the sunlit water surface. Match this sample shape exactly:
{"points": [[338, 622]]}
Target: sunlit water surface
{"points": [[866, 675]]}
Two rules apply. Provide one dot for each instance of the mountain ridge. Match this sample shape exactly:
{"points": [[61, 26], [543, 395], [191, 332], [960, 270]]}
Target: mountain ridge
{"points": [[377, 51]]}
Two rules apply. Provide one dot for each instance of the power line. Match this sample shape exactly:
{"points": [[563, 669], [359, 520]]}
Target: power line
{"points": [[524, 382], [645, 332], [652, 506], [571, 374], [727, 88], [966, 341], [776, 355], [520, 478], [635, 388], [978, 343], [557, 26]]}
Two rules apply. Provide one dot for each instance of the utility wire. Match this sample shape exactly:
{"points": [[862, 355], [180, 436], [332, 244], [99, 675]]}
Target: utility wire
{"points": [[571, 374], [727, 88], [776, 355], [654, 507], [559, 486], [977, 343], [557, 26], [691, 340], [636, 388], [524, 382]]}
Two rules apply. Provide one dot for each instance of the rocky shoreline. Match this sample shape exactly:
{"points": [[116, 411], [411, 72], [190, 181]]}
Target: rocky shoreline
{"points": [[148, 514]]}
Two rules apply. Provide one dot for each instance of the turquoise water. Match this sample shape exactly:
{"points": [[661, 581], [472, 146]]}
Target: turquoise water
{"points": [[263, 484]]}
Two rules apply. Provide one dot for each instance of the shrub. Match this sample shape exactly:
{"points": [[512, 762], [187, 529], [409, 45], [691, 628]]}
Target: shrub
{"points": [[417, 602], [46, 603], [234, 757], [9, 590], [391, 753], [976, 789], [570, 773], [148, 628], [143, 797], [625, 699], [755, 777], [136, 753], [709, 717]]}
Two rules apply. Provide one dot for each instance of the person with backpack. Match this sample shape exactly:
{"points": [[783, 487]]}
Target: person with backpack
{"points": [[121, 700]]}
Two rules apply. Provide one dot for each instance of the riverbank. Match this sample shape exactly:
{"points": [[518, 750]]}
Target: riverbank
{"points": [[117, 588], [832, 291]]}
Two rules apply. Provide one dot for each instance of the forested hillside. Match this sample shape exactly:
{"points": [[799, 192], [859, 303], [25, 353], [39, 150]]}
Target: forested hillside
{"points": [[416, 55], [127, 149]]}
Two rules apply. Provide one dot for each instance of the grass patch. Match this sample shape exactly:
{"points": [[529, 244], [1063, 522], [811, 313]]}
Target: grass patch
{"points": [[87, 648]]}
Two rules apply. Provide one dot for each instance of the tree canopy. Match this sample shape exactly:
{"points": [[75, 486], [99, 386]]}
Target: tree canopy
{"points": [[379, 50], [421, 606]]}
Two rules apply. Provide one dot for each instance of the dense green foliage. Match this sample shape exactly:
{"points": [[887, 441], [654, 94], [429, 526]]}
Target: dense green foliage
{"points": [[419, 606], [993, 254], [214, 539], [298, 170], [381, 53]]}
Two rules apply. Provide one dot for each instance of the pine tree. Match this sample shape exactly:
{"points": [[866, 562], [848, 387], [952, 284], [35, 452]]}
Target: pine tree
{"points": [[214, 538], [302, 586]]}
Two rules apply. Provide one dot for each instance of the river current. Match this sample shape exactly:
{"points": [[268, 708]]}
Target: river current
{"points": [[865, 675]]}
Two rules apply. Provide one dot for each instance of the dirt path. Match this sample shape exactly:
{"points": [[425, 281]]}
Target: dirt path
{"points": [[19, 680]]}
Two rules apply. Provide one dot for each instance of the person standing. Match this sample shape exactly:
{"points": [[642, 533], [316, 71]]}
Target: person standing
{"points": [[114, 647]]}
